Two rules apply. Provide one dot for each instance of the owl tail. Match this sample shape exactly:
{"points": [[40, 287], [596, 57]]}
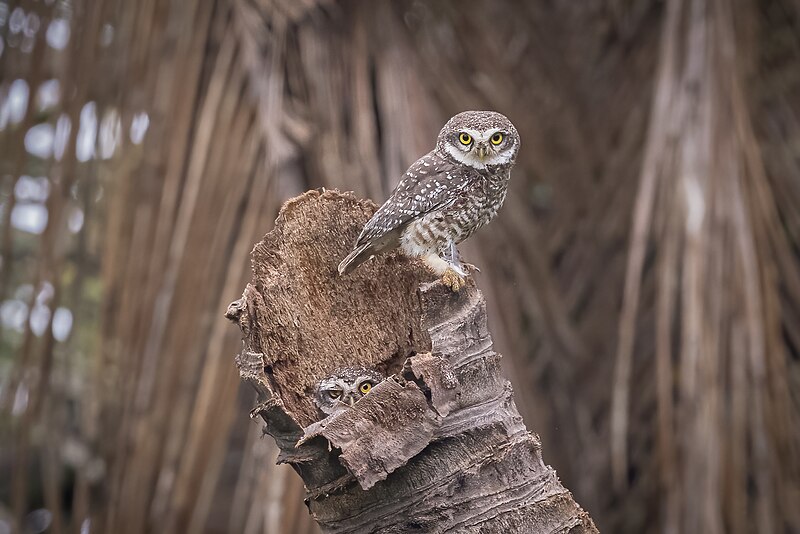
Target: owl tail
{"points": [[356, 258]]}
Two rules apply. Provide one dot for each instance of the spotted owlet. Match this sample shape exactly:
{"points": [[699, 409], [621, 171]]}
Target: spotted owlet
{"points": [[344, 387], [445, 196]]}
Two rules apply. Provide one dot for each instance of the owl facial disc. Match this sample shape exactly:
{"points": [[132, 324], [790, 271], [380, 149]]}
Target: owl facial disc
{"points": [[479, 139], [344, 388]]}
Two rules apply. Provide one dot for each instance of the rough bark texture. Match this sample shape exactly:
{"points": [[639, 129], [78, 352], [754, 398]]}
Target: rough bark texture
{"points": [[437, 447]]}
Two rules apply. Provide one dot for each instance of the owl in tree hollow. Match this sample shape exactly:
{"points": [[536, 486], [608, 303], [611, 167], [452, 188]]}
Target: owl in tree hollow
{"points": [[344, 388], [444, 196]]}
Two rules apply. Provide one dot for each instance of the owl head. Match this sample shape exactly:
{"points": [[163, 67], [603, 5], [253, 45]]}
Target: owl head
{"points": [[479, 139], [344, 387]]}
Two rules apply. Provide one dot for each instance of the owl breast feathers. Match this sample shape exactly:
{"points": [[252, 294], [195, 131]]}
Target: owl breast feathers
{"points": [[446, 195]]}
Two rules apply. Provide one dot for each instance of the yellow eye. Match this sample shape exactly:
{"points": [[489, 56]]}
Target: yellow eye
{"points": [[335, 393], [465, 138], [365, 387], [497, 139]]}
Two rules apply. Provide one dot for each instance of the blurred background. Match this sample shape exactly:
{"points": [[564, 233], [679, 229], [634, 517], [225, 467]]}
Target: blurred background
{"points": [[643, 278]]}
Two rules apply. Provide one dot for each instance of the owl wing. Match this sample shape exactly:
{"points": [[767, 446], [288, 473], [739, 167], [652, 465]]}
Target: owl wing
{"points": [[431, 184]]}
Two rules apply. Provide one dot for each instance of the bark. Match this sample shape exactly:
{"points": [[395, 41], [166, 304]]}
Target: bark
{"points": [[439, 446]]}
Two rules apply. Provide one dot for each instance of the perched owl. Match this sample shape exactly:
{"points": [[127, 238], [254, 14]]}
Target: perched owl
{"points": [[344, 387], [444, 196]]}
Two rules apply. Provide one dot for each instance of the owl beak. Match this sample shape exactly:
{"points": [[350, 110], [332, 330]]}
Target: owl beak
{"points": [[352, 401], [482, 151]]}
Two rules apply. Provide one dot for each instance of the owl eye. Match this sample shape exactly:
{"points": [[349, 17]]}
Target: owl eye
{"points": [[365, 387], [335, 393], [465, 138], [497, 139]]}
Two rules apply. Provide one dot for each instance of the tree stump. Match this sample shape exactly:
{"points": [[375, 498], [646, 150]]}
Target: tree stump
{"points": [[438, 446]]}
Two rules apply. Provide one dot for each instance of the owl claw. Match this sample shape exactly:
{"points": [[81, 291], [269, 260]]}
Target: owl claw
{"points": [[458, 269], [452, 279], [453, 259], [470, 267]]}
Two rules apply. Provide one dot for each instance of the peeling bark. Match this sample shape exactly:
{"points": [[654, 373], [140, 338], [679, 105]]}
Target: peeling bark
{"points": [[439, 446]]}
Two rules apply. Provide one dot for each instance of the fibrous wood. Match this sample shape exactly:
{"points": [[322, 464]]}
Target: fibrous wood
{"points": [[439, 446]]}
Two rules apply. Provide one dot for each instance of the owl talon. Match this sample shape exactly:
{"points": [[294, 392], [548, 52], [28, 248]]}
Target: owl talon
{"points": [[458, 269], [453, 280], [470, 267], [452, 257]]}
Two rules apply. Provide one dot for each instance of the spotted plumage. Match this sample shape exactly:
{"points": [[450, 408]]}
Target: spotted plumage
{"points": [[445, 196]]}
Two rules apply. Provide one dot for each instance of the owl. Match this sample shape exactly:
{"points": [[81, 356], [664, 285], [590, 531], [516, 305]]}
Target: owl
{"points": [[445, 196], [344, 387]]}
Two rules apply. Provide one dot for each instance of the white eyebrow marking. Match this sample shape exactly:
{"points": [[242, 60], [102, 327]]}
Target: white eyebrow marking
{"points": [[491, 131], [481, 135]]}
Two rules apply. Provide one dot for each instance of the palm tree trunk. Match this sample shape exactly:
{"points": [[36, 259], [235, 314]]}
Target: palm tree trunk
{"points": [[438, 446]]}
